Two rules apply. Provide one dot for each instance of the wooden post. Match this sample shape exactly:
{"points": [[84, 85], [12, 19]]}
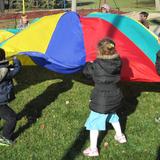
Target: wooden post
{"points": [[2, 7], [104, 1], [100, 3], [157, 3], [74, 5]]}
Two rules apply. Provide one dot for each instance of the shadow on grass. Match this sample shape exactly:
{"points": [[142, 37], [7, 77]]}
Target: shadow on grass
{"points": [[84, 3], [77, 146], [33, 110], [158, 153], [32, 75], [131, 92]]}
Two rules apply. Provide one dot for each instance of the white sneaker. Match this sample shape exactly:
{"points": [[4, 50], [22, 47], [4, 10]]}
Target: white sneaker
{"points": [[120, 139], [91, 152]]}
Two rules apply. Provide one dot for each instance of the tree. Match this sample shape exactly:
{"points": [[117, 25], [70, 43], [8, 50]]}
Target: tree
{"points": [[2, 5], [157, 3], [15, 4]]}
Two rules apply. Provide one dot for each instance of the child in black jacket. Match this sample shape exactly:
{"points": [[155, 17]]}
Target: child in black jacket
{"points": [[7, 72], [106, 96]]}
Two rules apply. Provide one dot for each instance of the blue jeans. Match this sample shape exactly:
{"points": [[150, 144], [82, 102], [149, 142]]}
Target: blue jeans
{"points": [[9, 116]]}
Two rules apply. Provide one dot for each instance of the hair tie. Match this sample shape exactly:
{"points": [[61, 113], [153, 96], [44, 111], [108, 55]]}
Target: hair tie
{"points": [[110, 45]]}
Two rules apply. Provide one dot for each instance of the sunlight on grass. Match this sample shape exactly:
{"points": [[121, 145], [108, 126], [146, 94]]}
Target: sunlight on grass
{"points": [[52, 110], [50, 128], [125, 5]]}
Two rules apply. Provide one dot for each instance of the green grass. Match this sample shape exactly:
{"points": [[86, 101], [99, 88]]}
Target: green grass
{"points": [[50, 129], [124, 5]]}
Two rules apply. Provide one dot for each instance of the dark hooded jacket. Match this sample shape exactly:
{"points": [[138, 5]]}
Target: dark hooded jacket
{"points": [[7, 72], [106, 96], [158, 62]]}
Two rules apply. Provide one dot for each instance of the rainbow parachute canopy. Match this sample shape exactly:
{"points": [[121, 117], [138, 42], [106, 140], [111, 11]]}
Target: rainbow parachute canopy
{"points": [[65, 42]]}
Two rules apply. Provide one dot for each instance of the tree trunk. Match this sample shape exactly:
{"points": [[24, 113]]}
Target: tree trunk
{"points": [[157, 3], [104, 1], [2, 7], [74, 5]]}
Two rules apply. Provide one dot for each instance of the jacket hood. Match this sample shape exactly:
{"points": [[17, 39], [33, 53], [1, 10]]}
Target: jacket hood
{"points": [[109, 63], [108, 56]]}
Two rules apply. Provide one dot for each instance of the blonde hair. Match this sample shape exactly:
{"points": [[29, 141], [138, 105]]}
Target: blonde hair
{"points": [[106, 47], [24, 16]]}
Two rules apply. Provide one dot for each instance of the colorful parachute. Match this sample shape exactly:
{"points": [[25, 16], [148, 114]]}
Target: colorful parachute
{"points": [[8, 33], [65, 42], [5, 34]]}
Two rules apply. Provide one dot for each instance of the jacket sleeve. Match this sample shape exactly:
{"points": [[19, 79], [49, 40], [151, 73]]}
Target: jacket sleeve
{"points": [[14, 69], [88, 70]]}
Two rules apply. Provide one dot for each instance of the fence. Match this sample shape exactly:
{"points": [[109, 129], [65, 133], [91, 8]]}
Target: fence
{"points": [[9, 20], [11, 23]]}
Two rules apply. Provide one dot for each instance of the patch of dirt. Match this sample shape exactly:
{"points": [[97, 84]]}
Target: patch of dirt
{"points": [[41, 13], [11, 18]]}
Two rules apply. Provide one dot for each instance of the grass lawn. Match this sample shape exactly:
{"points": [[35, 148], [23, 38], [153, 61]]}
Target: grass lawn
{"points": [[52, 110], [124, 5], [50, 129]]}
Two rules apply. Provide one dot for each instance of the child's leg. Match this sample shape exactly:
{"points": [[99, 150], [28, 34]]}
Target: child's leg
{"points": [[9, 116], [94, 124], [92, 150], [93, 138], [117, 128], [114, 120]]}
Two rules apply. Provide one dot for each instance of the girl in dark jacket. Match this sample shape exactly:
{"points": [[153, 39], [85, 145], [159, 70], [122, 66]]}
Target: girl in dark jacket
{"points": [[7, 72], [106, 96]]}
